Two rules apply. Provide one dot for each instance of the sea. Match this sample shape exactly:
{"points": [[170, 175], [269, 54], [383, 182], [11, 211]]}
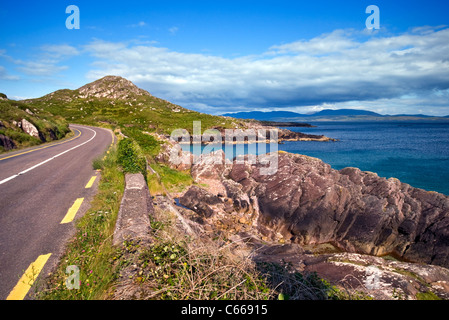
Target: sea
{"points": [[416, 153]]}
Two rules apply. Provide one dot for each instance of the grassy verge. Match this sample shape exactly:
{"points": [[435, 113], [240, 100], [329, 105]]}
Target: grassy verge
{"points": [[91, 249]]}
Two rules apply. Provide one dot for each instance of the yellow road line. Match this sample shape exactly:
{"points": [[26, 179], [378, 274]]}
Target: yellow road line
{"points": [[26, 281], [91, 182], [72, 211], [47, 146]]}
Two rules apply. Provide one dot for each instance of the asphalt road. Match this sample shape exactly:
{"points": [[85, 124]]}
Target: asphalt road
{"points": [[38, 187]]}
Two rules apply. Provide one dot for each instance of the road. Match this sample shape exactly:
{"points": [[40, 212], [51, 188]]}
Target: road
{"points": [[42, 190]]}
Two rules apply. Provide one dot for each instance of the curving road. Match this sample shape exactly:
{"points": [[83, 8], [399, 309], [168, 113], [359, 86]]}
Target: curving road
{"points": [[42, 189]]}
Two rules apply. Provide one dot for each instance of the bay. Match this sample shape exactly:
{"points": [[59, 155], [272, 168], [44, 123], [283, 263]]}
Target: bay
{"points": [[416, 153]]}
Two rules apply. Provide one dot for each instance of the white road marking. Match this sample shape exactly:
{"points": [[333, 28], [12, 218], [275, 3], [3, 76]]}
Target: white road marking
{"points": [[45, 161]]}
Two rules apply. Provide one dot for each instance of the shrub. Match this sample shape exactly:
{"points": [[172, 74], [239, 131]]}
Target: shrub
{"points": [[146, 142], [130, 157]]}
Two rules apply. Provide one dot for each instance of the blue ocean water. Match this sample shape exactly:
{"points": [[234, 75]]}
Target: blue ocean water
{"points": [[415, 153]]}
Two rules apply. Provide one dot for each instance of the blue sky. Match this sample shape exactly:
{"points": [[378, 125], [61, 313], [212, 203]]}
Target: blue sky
{"points": [[229, 56]]}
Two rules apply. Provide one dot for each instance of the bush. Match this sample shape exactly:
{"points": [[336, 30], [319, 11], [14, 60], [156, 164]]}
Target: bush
{"points": [[98, 163], [130, 157], [147, 143]]}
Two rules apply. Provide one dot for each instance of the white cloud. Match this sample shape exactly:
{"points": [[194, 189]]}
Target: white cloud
{"points": [[45, 61], [334, 42], [173, 30], [334, 68], [60, 51], [4, 75], [139, 24], [39, 68]]}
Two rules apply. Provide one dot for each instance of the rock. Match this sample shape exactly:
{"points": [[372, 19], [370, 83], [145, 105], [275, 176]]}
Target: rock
{"points": [[208, 169], [200, 200], [111, 87], [171, 154], [133, 219], [243, 220], [308, 202], [288, 135], [361, 212], [6, 142], [363, 275], [29, 128], [339, 224]]}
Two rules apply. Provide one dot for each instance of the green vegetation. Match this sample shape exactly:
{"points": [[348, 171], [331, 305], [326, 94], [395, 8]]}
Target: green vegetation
{"points": [[146, 142], [174, 265], [173, 180], [130, 157], [147, 113], [177, 267], [11, 114], [91, 248], [427, 296]]}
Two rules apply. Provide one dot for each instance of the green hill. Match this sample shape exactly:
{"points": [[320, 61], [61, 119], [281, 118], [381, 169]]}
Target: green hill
{"points": [[118, 102]]}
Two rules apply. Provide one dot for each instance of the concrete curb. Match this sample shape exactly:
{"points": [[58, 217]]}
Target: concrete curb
{"points": [[133, 219]]}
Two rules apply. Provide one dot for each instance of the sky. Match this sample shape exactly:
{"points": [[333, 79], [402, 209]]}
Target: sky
{"points": [[230, 56]]}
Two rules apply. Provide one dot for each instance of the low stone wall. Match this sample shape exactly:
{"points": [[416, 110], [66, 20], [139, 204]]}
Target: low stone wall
{"points": [[133, 222]]}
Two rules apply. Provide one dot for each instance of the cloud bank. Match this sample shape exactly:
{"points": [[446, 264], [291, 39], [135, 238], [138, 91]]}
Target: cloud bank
{"points": [[343, 67]]}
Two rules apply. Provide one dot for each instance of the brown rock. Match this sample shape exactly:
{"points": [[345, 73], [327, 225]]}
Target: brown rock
{"points": [[308, 202]]}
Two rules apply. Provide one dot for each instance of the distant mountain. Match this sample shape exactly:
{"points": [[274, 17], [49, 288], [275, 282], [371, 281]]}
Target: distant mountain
{"points": [[270, 115], [329, 115], [345, 112], [260, 115]]}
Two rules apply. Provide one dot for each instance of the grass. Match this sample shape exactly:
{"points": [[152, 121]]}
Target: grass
{"points": [[146, 142], [174, 266], [173, 180], [51, 127], [178, 267], [427, 296], [130, 157], [91, 249], [146, 113]]}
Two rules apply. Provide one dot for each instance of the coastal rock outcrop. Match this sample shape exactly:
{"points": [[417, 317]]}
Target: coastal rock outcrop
{"points": [[307, 202]]}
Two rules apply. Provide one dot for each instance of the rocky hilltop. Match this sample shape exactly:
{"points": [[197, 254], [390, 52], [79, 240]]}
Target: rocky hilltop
{"points": [[111, 87]]}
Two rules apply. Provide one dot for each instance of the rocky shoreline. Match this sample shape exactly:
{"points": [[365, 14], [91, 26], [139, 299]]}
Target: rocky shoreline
{"points": [[339, 223], [308, 202]]}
